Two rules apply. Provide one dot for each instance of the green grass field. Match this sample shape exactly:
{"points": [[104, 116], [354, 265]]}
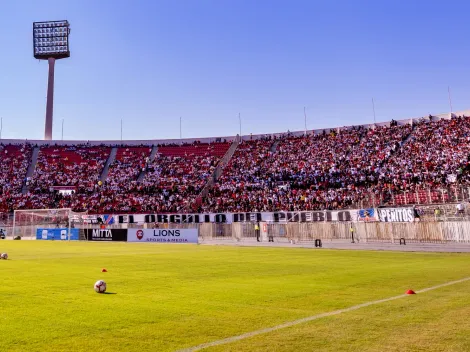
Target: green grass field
{"points": [[171, 297]]}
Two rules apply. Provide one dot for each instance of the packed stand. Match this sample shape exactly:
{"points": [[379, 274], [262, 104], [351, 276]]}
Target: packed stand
{"points": [[303, 173], [332, 170], [78, 166], [127, 166], [171, 183], [367, 158], [435, 157], [178, 174], [14, 162]]}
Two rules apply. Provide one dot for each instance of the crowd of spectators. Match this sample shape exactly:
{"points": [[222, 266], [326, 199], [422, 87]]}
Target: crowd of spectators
{"points": [[341, 169], [78, 166], [177, 175], [127, 166], [437, 155], [292, 173], [335, 169], [14, 162], [172, 181]]}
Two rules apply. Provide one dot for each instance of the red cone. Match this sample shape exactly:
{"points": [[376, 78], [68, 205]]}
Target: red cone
{"points": [[410, 292], [104, 270]]}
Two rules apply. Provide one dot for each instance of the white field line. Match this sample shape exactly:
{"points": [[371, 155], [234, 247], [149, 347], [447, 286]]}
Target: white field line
{"points": [[311, 318]]}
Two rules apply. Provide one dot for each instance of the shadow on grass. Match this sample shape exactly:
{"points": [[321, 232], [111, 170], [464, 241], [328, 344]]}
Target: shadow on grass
{"points": [[110, 293]]}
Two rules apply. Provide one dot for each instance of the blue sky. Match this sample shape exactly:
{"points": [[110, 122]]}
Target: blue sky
{"points": [[150, 62]]}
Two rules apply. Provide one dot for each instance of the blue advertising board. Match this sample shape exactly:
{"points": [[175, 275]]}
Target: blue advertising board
{"points": [[57, 234]]}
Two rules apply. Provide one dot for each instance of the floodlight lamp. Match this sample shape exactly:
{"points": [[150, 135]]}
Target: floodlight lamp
{"points": [[50, 40]]}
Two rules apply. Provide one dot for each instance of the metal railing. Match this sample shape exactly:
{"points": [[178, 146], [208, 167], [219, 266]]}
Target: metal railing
{"points": [[424, 196], [441, 230]]}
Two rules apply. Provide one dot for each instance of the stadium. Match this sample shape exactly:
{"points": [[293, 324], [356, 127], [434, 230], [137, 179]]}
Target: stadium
{"points": [[352, 237], [224, 186]]}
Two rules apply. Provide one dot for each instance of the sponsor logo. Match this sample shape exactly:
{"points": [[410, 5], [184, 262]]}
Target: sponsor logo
{"points": [[167, 240], [102, 234], [162, 235], [396, 215], [165, 233]]}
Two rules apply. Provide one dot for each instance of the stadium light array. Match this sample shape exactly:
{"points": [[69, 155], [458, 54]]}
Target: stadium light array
{"points": [[51, 39], [51, 42]]}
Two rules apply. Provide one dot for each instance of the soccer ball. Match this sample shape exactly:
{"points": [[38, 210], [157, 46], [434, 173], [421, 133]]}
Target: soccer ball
{"points": [[4, 256], [100, 286]]}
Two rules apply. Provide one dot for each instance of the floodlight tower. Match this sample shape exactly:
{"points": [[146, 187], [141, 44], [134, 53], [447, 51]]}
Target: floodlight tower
{"points": [[51, 42]]}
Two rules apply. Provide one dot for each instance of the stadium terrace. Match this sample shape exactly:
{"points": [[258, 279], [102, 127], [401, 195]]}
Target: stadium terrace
{"points": [[413, 161]]}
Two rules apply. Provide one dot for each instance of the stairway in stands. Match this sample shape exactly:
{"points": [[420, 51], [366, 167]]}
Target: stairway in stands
{"points": [[274, 146], [151, 158], [111, 158], [31, 167], [408, 139], [219, 169], [385, 201]]}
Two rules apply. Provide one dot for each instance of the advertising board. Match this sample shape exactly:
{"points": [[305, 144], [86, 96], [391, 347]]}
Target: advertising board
{"points": [[163, 235], [57, 234]]}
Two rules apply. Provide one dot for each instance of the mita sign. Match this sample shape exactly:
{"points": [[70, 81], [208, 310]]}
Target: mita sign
{"points": [[102, 235], [106, 234]]}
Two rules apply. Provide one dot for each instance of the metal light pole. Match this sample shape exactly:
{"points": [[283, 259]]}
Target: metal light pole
{"points": [[51, 43], [181, 135], [305, 118], [50, 100], [62, 129], [1, 127], [121, 129], [450, 99], [240, 122], [373, 109]]}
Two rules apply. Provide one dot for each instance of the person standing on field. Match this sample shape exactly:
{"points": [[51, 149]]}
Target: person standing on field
{"points": [[257, 233], [351, 229]]}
